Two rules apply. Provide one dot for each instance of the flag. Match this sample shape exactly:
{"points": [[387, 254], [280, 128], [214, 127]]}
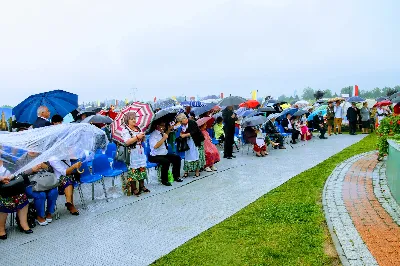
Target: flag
{"points": [[222, 95], [126, 101], [155, 99], [98, 103], [254, 95], [356, 90], [116, 102]]}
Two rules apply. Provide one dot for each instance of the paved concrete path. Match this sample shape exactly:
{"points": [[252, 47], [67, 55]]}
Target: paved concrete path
{"points": [[364, 232], [137, 231]]}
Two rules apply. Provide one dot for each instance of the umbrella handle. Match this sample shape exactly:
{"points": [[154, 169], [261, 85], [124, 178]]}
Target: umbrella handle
{"points": [[79, 171]]}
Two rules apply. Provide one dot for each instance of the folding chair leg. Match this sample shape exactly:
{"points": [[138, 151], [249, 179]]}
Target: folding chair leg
{"points": [[56, 214], [81, 197], [92, 191], [12, 219], [104, 188]]}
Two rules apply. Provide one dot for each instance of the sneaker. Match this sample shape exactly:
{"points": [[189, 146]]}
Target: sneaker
{"points": [[208, 169], [42, 223], [49, 220], [214, 168]]}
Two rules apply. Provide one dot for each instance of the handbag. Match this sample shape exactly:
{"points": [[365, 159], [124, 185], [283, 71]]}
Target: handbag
{"points": [[16, 186], [45, 180], [182, 145]]}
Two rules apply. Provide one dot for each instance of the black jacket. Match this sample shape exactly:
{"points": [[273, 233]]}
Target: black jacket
{"points": [[195, 133], [285, 123], [270, 128], [352, 114], [229, 122], [317, 121], [40, 122]]}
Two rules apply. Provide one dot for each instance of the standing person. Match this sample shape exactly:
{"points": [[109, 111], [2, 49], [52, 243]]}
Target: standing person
{"points": [[381, 113], [229, 118], [42, 120], [330, 117], [159, 153], [289, 128], [194, 157], [133, 138], [365, 118], [338, 118], [210, 150], [352, 116]]}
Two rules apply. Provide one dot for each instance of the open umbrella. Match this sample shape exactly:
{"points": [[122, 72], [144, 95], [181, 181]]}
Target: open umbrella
{"points": [[300, 112], [57, 101], [322, 107], [97, 119], [395, 95], [311, 116], [396, 100], [355, 99], [383, 103], [247, 113], [202, 121], [301, 103], [203, 109], [250, 104], [144, 115], [287, 111], [254, 121], [231, 100], [192, 103], [271, 116], [380, 99], [267, 109]]}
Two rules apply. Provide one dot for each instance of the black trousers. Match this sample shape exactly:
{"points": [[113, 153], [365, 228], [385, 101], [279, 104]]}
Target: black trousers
{"points": [[165, 161], [295, 134], [321, 130], [352, 127], [228, 144]]}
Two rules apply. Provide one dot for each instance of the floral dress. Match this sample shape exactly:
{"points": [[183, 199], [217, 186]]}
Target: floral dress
{"points": [[192, 156], [138, 159]]}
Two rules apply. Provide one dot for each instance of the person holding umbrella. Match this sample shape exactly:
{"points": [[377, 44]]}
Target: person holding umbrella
{"points": [[133, 138], [352, 116], [229, 118]]}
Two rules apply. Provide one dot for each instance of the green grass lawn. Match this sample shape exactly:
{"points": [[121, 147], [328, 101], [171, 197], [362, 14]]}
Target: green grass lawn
{"points": [[284, 227]]}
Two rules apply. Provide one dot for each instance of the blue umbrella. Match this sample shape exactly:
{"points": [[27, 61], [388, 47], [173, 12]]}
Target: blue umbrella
{"points": [[248, 112], [355, 99], [57, 101], [68, 118], [192, 103], [203, 109], [311, 116], [287, 111]]}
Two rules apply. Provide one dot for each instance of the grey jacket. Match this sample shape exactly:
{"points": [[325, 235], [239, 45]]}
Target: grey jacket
{"points": [[364, 112]]}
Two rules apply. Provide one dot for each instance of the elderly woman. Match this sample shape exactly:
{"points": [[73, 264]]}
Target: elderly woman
{"points": [[254, 136], [194, 157], [133, 138], [211, 151], [365, 118], [17, 203]]}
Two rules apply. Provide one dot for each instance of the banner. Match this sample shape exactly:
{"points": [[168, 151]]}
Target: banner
{"points": [[356, 90], [254, 95]]}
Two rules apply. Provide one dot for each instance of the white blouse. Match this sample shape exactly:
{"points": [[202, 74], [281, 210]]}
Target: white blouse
{"points": [[138, 158]]}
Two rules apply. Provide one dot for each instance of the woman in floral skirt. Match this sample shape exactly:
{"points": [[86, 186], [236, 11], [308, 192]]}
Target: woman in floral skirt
{"points": [[17, 203], [194, 157], [133, 138]]}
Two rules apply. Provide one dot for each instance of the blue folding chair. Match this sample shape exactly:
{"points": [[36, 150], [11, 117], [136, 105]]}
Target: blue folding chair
{"points": [[88, 178], [101, 166], [286, 136]]}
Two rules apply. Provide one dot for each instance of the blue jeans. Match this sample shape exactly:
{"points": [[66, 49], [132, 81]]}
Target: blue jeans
{"points": [[40, 199]]}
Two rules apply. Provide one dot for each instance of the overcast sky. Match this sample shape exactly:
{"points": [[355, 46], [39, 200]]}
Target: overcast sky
{"points": [[101, 49]]}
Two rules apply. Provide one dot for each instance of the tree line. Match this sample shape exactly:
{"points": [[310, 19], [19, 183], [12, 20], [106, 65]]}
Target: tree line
{"points": [[311, 94]]}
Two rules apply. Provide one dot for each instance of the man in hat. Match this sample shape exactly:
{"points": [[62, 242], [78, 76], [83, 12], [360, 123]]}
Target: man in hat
{"points": [[319, 124]]}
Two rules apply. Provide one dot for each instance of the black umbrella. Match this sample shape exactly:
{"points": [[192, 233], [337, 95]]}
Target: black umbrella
{"points": [[203, 109], [292, 103], [381, 99], [97, 119], [254, 121], [231, 100], [300, 113], [320, 101], [355, 99], [271, 101]]}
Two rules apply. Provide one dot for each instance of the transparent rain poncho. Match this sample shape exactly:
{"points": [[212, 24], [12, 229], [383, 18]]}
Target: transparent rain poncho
{"points": [[21, 151]]}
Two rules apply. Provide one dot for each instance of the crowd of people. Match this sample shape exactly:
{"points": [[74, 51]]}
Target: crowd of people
{"points": [[194, 137]]}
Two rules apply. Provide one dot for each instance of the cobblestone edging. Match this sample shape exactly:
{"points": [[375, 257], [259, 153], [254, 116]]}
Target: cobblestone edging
{"points": [[382, 192], [349, 244]]}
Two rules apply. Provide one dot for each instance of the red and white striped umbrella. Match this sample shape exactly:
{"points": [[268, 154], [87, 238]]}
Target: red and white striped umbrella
{"points": [[144, 115]]}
